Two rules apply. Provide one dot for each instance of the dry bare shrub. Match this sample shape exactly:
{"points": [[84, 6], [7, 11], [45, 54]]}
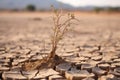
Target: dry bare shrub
{"points": [[59, 30]]}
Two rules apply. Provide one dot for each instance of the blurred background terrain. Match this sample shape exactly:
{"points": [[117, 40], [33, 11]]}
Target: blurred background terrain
{"points": [[43, 5], [31, 21]]}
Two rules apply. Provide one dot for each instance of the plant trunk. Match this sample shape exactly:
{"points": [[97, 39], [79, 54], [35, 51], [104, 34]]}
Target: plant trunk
{"points": [[53, 52]]}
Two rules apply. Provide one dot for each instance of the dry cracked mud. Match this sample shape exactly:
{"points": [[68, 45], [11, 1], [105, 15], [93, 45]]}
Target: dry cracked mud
{"points": [[91, 48]]}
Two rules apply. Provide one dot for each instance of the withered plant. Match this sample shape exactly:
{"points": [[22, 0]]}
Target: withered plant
{"points": [[59, 30]]}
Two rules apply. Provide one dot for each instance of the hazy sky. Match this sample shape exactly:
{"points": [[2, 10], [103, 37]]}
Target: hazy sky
{"points": [[92, 2]]}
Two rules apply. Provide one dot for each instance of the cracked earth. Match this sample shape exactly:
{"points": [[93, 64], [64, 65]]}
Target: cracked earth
{"points": [[92, 47]]}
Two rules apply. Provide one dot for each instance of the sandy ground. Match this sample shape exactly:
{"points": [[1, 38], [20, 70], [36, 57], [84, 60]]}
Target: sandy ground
{"points": [[31, 31]]}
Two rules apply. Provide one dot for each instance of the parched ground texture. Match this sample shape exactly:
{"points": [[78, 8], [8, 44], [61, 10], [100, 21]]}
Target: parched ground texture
{"points": [[93, 46]]}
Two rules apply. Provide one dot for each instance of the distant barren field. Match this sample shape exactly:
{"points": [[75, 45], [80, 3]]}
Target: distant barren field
{"points": [[37, 26], [92, 44]]}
